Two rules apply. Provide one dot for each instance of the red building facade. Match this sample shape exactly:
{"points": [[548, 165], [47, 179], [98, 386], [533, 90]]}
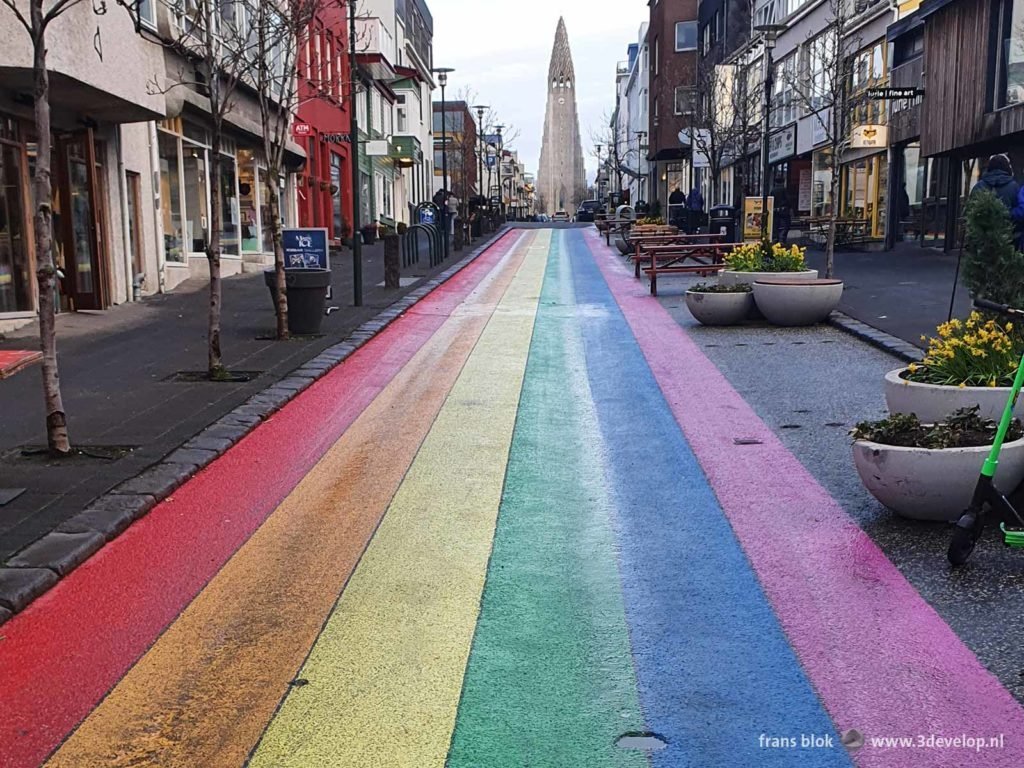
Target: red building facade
{"points": [[322, 125]]}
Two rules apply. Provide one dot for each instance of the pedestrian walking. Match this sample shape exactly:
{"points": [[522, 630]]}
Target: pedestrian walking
{"points": [[694, 209], [781, 211], [998, 179], [676, 206]]}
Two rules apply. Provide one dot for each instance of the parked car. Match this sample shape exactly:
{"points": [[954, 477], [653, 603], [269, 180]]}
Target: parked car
{"points": [[560, 216], [588, 210]]}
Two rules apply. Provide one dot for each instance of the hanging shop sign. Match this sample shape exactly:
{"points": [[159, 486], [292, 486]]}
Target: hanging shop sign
{"points": [[377, 148], [301, 130], [782, 144], [804, 196], [894, 93], [869, 137], [820, 122]]}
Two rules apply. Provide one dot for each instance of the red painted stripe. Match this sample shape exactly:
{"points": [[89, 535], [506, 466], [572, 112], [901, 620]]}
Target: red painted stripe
{"points": [[69, 648]]}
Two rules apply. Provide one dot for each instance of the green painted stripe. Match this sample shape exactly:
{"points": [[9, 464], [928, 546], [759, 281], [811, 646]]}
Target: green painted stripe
{"points": [[550, 678]]}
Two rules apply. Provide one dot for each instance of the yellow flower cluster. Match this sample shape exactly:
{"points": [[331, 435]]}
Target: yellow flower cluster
{"points": [[973, 353], [751, 257]]}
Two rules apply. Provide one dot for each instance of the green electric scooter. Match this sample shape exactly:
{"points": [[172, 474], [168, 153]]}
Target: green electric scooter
{"points": [[987, 499]]}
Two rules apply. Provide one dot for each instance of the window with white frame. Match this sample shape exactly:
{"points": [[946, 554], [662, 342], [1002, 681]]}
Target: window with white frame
{"points": [[402, 117], [819, 56], [686, 36], [685, 99], [375, 110], [784, 99], [361, 100], [147, 12]]}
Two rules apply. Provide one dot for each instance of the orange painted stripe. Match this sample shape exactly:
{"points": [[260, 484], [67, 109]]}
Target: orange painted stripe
{"points": [[205, 691]]}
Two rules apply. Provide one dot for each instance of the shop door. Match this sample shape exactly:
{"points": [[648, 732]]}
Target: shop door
{"points": [[84, 251]]}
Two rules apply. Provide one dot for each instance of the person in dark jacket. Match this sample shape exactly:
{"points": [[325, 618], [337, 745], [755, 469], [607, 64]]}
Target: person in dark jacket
{"points": [[780, 211], [998, 179], [677, 208]]}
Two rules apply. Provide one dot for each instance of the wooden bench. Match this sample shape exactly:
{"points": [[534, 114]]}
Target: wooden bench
{"points": [[645, 244], [710, 258]]}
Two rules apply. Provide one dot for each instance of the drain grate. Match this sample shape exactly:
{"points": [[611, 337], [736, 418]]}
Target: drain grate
{"points": [[791, 426], [746, 441], [641, 740], [834, 424]]}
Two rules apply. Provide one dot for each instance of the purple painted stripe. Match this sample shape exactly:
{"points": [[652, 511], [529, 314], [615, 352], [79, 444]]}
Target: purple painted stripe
{"points": [[882, 660]]}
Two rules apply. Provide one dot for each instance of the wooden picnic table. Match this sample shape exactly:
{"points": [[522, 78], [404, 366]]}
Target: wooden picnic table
{"points": [[670, 253], [673, 256], [643, 242]]}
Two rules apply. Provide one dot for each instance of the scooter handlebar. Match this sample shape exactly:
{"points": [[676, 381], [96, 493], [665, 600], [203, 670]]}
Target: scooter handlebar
{"points": [[991, 306]]}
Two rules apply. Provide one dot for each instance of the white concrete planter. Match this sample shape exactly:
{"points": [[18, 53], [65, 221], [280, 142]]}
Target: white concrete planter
{"points": [[932, 484], [729, 277], [720, 308], [934, 402], [784, 302]]}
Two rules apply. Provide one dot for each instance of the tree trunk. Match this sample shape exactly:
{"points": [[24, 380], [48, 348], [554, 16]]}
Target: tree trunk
{"points": [[215, 364], [830, 243], [46, 273], [281, 298]]}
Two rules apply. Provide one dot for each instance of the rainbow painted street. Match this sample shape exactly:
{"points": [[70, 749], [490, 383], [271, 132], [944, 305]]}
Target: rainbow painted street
{"points": [[517, 528]]}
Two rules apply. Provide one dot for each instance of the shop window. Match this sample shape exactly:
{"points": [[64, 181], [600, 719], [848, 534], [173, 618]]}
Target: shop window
{"points": [[821, 183], [229, 214], [195, 179], [338, 219], [248, 202], [15, 267], [170, 197], [365, 201]]}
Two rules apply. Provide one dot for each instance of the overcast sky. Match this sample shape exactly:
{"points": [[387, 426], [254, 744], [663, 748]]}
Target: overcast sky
{"points": [[502, 50]]}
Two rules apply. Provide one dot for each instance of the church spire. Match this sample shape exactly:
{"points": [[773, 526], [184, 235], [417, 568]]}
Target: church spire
{"points": [[560, 69]]}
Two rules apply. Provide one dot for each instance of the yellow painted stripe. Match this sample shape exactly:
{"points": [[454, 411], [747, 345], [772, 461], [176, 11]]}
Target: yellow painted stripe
{"points": [[206, 690], [384, 677]]}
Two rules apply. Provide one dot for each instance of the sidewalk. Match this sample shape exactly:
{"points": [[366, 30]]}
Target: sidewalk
{"points": [[904, 292], [115, 368]]}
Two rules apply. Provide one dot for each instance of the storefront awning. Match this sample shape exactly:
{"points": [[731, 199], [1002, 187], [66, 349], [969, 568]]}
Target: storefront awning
{"points": [[75, 99]]}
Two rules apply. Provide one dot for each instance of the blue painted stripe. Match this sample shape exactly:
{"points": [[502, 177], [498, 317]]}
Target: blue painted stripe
{"points": [[714, 669]]}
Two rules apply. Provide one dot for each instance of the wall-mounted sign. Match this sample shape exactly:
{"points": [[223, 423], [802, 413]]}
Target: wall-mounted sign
{"points": [[377, 148], [869, 137], [804, 195], [895, 93], [782, 144], [336, 138], [305, 248], [300, 130]]}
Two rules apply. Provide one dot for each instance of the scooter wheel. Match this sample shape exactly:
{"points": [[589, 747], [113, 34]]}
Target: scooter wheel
{"points": [[965, 538]]}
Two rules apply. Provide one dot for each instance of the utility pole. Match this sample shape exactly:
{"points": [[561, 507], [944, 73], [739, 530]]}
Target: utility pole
{"points": [[357, 250], [501, 202], [442, 79]]}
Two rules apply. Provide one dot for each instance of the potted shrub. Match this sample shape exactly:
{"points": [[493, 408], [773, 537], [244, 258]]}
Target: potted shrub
{"points": [[720, 304], [755, 261], [928, 471], [969, 363]]}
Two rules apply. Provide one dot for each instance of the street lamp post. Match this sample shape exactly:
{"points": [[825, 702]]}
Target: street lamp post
{"points": [[442, 80], [770, 33], [597, 178], [501, 202], [480, 109], [357, 251]]}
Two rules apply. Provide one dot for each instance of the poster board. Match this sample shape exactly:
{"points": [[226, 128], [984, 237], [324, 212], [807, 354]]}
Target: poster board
{"points": [[752, 218]]}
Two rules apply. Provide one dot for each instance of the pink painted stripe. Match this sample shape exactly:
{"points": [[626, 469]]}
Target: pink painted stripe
{"points": [[882, 660], [61, 655]]}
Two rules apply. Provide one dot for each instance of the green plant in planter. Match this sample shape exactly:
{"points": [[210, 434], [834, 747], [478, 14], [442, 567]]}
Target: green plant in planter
{"points": [[971, 353], [755, 257], [709, 288], [963, 429], [993, 268]]}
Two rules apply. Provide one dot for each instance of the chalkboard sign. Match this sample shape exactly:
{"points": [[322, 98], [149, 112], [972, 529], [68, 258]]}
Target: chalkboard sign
{"points": [[305, 248]]}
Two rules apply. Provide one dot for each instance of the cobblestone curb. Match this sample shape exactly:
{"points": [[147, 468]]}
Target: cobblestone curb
{"points": [[885, 341], [39, 566]]}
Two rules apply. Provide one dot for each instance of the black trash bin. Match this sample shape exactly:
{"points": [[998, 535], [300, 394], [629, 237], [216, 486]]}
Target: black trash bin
{"points": [[307, 294], [722, 220]]}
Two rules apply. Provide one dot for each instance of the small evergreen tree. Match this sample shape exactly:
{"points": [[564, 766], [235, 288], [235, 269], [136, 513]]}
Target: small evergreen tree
{"points": [[993, 269]]}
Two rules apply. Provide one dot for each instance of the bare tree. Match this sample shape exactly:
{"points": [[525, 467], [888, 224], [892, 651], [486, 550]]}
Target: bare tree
{"points": [[214, 40], [822, 88], [618, 149], [36, 24]]}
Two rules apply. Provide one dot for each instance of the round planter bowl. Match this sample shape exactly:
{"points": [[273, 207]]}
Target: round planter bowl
{"points": [[719, 308], [794, 303], [934, 402], [729, 277], [932, 484]]}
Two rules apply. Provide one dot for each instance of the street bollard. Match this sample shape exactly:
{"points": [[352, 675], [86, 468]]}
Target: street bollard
{"points": [[392, 260]]}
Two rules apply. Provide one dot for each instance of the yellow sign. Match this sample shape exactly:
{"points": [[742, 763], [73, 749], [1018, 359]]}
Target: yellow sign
{"points": [[752, 218], [869, 137]]}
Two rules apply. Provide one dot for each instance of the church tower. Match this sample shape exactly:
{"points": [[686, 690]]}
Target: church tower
{"points": [[561, 178]]}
